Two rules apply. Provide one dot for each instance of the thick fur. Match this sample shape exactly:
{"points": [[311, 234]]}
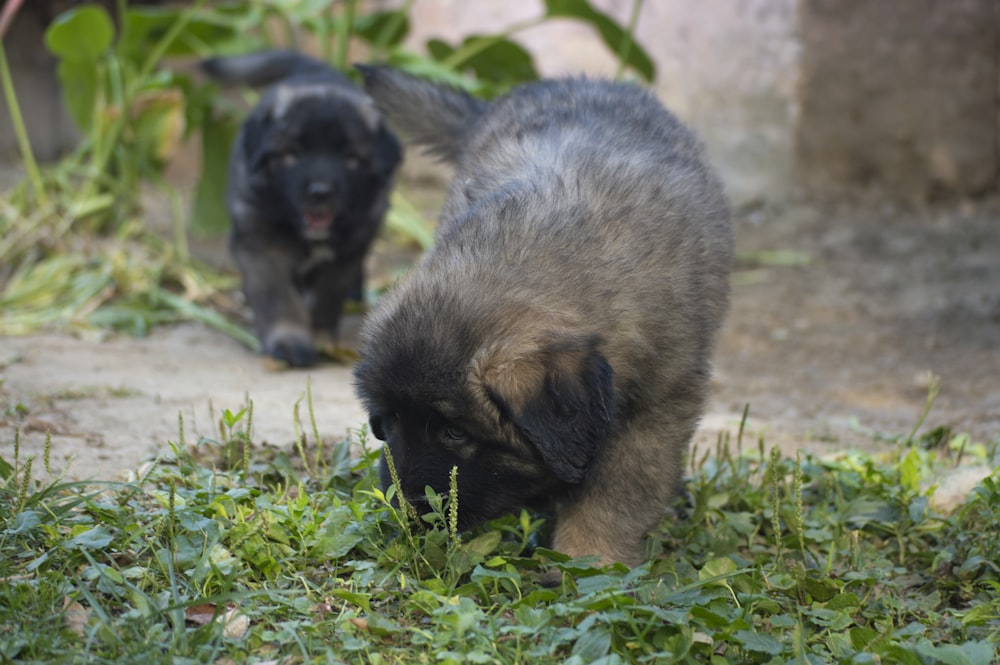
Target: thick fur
{"points": [[555, 344], [309, 180]]}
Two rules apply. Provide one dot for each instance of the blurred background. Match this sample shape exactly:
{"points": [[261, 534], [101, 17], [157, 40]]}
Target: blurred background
{"points": [[900, 97], [859, 142]]}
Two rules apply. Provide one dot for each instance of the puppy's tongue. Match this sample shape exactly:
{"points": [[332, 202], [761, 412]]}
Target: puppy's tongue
{"points": [[319, 220]]}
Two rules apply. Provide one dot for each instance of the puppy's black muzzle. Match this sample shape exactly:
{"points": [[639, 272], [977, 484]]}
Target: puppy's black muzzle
{"points": [[321, 194], [321, 200]]}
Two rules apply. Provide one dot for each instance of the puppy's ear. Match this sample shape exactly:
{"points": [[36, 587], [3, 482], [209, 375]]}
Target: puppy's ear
{"points": [[387, 152], [257, 141], [559, 396]]}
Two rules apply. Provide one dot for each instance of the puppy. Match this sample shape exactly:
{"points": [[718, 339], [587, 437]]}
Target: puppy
{"points": [[309, 180], [555, 344]]}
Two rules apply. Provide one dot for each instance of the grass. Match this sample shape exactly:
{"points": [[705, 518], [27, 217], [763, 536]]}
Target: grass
{"points": [[226, 551]]}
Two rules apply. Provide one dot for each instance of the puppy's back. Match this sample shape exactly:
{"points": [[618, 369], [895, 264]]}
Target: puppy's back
{"points": [[590, 193], [568, 308]]}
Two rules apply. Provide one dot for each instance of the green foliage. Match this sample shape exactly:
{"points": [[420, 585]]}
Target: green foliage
{"points": [[133, 107], [229, 550], [618, 40], [75, 251]]}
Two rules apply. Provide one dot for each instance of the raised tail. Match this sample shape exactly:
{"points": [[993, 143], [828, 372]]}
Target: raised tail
{"points": [[262, 68], [433, 115]]}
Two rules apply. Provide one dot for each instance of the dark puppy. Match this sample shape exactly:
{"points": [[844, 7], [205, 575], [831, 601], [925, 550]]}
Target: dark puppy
{"points": [[555, 344], [309, 181]]}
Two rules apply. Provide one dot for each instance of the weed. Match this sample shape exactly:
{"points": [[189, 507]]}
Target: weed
{"points": [[293, 558], [75, 250]]}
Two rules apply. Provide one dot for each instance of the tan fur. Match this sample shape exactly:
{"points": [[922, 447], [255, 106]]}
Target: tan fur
{"points": [[562, 327]]}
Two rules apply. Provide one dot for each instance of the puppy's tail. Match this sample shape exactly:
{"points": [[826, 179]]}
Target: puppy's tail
{"points": [[435, 116], [261, 68]]}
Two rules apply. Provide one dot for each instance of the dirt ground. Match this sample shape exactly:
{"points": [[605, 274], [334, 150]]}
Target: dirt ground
{"points": [[842, 315]]}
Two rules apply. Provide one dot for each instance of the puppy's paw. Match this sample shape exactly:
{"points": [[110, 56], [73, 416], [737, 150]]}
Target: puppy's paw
{"points": [[291, 344]]}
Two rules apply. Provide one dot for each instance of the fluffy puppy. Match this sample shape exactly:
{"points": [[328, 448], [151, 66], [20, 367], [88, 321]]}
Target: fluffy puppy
{"points": [[555, 344], [309, 180]]}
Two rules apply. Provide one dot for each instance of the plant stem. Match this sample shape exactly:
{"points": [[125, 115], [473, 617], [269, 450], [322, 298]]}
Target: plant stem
{"points": [[344, 34], [132, 89], [626, 46], [932, 392], [390, 28], [17, 120], [469, 50]]}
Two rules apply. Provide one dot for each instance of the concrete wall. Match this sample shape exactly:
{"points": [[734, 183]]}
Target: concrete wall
{"points": [[726, 67], [902, 95]]}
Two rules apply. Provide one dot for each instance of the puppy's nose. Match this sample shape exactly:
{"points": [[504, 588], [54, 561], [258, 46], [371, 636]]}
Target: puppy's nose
{"points": [[319, 191]]}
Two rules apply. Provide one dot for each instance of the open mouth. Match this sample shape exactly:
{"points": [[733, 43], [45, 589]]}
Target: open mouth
{"points": [[318, 222]]}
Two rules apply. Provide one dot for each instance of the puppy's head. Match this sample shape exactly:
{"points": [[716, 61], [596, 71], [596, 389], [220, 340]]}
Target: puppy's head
{"points": [[323, 151], [523, 418]]}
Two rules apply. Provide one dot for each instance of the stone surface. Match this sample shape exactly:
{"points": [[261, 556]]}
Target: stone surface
{"points": [[900, 96], [726, 67]]}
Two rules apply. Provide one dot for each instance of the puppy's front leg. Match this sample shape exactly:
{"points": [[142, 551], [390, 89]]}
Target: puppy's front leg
{"points": [[281, 320], [628, 490], [332, 285]]}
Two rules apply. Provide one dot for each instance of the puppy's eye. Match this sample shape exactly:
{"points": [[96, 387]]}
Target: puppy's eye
{"points": [[453, 434], [280, 160]]}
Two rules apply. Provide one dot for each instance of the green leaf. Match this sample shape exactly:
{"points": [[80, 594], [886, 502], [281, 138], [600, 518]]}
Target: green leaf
{"points": [[710, 618], [716, 567], [82, 33], [93, 539], [614, 35], [843, 601], [970, 653], [822, 590], [381, 625], [980, 615], [145, 26], [382, 29], [24, 523], [909, 470], [6, 469], [483, 545], [862, 636], [79, 81], [422, 66], [359, 600], [758, 642], [866, 510], [500, 61], [341, 534], [480, 575], [593, 644]]}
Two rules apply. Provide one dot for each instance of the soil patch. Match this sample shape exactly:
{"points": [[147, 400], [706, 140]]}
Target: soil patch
{"points": [[842, 316]]}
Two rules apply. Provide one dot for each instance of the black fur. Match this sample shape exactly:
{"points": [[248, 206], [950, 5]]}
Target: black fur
{"points": [[309, 179], [572, 415]]}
